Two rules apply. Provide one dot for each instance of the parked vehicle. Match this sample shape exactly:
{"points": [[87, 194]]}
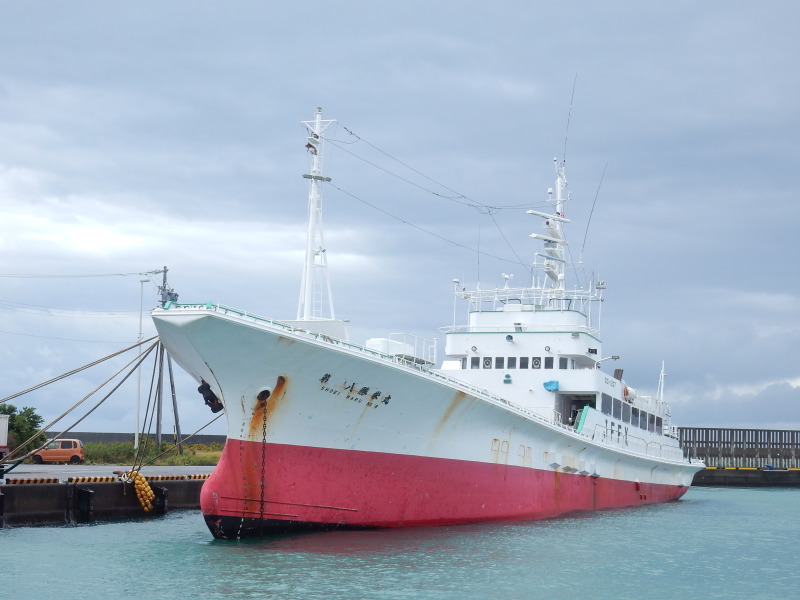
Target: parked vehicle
{"points": [[3, 435], [62, 451]]}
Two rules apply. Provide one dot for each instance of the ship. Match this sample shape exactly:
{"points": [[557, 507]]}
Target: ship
{"points": [[519, 421]]}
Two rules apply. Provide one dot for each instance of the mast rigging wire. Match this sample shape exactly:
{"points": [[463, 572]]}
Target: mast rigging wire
{"points": [[591, 212], [455, 198], [422, 229], [569, 116]]}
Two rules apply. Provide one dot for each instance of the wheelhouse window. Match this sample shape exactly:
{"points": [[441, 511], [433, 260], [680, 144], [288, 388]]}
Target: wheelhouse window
{"points": [[498, 362], [635, 417], [605, 404], [475, 362], [659, 426], [643, 420], [536, 363], [464, 363], [548, 362], [651, 422], [617, 408], [511, 363], [563, 362], [523, 362], [487, 362], [626, 413]]}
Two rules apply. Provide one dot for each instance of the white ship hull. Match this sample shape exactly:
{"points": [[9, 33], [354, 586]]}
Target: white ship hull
{"points": [[322, 433], [519, 423]]}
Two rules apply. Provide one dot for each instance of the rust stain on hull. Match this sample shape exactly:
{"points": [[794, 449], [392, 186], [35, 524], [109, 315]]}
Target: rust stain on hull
{"points": [[458, 398], [252, 457], [265, 407]]}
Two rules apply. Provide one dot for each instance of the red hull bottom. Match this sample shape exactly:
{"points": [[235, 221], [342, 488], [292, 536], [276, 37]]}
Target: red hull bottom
{"points": [[318, 488]]}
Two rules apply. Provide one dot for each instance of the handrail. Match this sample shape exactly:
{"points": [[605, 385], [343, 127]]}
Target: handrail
{"points": [[397, 360], [422, 369], [664, 451], [540, 328]]}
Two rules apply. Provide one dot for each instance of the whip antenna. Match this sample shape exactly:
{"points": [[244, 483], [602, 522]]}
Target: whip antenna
{"points": [[569, 114], [591, 212]]}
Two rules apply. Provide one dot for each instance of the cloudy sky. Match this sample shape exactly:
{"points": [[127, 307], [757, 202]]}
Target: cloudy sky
{"points": [[137, 136]]}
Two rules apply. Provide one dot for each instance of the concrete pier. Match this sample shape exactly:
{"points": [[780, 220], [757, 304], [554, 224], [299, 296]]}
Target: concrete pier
{"points": [[50, 501]]}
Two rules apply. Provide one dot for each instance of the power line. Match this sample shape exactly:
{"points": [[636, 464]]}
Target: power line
{"points": [[62, 276], [34, 276], [75, 313], [49, 337]]}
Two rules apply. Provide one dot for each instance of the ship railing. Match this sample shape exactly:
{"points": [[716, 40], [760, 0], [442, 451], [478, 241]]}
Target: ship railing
{"points": [[540, 328], [226, 310], [538, 297], [630, 442], [400, 360], [424, 349]]}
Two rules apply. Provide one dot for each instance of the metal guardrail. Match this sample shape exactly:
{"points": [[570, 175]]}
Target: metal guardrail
{"points": [[420, 369]]}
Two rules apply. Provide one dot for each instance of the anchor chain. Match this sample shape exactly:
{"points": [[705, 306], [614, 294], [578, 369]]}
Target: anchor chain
{"points": [[263, 459]]}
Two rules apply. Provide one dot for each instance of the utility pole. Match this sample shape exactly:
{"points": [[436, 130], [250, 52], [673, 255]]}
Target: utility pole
{"points": [[139, 369], [167, 295]]}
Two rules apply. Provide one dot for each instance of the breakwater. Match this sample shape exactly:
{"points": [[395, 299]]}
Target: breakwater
{"points": [[742, 448]]}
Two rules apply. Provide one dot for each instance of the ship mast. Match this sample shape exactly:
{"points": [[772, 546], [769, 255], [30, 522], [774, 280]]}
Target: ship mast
{"points": [[315, 283], [554, 242]]}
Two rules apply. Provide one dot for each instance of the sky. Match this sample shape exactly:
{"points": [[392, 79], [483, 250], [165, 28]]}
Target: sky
{"points": [[135, 136]]}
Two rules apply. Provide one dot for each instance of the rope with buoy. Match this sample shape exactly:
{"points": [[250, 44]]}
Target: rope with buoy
{"points": [[143, 490]]}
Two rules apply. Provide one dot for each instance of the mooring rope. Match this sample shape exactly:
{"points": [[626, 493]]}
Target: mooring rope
{"points": [[137, 360]]}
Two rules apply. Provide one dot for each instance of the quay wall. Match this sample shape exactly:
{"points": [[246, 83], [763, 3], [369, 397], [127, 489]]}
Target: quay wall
{"points": [[49, 502]]}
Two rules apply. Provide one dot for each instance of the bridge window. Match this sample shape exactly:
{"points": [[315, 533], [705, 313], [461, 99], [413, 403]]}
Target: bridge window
{"points": [[536, 362], [498, 362], [643, 420], [659, 426], [563, 362], [635, 417], [605, 404], [626, 413], [487, 362], [475, 362], [511, 363], [651, 422], [617, 408], [548, 362]]}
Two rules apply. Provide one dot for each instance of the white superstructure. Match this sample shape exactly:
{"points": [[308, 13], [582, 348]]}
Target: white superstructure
{"points": [[519, 422]]}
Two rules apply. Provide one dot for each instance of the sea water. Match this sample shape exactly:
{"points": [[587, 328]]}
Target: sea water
{"points": [[715, 543]]}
